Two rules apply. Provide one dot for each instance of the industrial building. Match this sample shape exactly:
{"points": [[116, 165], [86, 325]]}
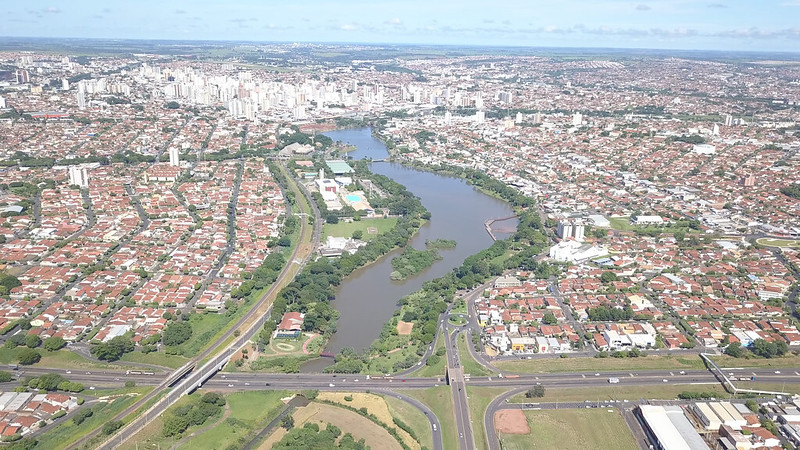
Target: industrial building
{"points": [[667, 428]]}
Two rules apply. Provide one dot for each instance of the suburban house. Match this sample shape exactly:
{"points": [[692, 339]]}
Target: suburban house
{"points": [[291, 325]]}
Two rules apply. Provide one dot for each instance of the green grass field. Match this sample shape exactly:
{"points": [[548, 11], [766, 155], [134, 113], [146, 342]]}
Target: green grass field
{"points": [[583, 364], [478, 399], [412, 417], [65, 432], [440, 401], [469, 364], [157, 358], [572, 429], [249, 413], [618, 392], [343, 229], [779, 242]]}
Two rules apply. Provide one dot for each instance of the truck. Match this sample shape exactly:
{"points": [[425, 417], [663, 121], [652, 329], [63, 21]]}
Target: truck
{"points": [[613, 380]]}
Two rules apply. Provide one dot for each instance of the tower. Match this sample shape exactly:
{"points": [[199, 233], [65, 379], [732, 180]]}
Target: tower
{"points": [[174, 157]]}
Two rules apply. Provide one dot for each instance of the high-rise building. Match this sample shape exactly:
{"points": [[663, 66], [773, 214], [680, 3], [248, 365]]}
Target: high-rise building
{"points": [[518, 119], [64, 84], [174, 157], [480, 116], [81, 99], [2, 102], [22, 76], [571, 229], [537, 117], [448, 118], [728, 120], [577, 119], [78, 176]]}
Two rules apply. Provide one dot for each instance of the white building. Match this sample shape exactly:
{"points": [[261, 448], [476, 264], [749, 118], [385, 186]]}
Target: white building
{"points": [[78, 176], [571, 228], [174, 157], [572, 251], [577, 119], [704, 149], [647, 220]]}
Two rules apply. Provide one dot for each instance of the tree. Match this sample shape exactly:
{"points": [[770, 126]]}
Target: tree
{"points": [[734, 349], [172, 105], [33, 341], [112, 426], [54, 343], [113, 349], [47, 382], [5, 376], [332, 219], [287, 422], [28, 356], [174, 425], [358, 234], [549, 318], [177, 333], [536, 392], [608, 277]]}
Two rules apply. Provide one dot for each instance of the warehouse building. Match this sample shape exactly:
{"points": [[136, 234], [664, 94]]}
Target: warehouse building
{"points": [[667, 428]]}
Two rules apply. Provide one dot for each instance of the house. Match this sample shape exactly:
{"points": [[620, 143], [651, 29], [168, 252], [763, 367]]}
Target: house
{"points": [[291, 325]]}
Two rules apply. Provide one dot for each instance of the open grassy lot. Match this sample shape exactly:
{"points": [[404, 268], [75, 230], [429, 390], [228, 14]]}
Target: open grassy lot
{"points": [[248, 413], [469, 364], [412, 417], [478, 399], [440, 401], [572, 429], [64, 432], [344, 229], [618, 392], [374, 404], [778, 242], [583, 364], [157, 358], [359, 426], [754, 361]]}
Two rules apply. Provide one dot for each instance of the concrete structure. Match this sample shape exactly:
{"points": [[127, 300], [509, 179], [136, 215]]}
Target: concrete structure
{"points": [[339, 167], [174, 157], [78, 176], [573, 251], [668, 428], [647, 220], [571, 229]]}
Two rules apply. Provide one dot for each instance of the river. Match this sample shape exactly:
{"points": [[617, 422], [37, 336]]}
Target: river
{"points": [[368, 297]]}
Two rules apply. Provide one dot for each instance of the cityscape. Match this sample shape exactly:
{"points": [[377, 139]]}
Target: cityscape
{"points": [[424, 241]]}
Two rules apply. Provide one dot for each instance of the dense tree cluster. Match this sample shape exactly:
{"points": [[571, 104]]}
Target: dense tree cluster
{"points": [[412, 262], [607, 313], [177, 333], [113, 349], [310, 437], [195, 413], [793, 190]]}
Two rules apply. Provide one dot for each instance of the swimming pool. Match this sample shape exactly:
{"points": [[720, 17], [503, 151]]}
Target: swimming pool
{"points": [[352, 198]]}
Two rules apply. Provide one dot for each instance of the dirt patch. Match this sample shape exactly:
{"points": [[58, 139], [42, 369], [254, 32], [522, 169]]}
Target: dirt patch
{"points": [[511, 421], [404, 328], [375, 405], [372, 230], [349, 422]]}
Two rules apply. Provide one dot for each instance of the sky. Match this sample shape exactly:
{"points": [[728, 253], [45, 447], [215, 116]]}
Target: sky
{"points": [[750, 25]]}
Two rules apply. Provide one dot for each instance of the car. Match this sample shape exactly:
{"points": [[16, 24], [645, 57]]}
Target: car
{"points": [[777, 372], [682, 372], [266, 384], [597, 374], [247, 384], [665, 380], [230, 385], [91, 388], [69, 371], [331, 385]]}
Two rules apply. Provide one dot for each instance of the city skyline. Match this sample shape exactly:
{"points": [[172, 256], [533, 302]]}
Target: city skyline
{"points": [[657, 24]]}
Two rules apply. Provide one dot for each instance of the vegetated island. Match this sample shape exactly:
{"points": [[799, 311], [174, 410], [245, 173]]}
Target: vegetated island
{"points": [[412, 262], [440, 244]]}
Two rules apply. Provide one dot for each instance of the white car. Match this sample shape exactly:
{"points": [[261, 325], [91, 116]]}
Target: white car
{"points": [[331, 385]]}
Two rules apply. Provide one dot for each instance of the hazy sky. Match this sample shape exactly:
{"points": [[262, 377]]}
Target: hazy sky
{"points": [[674, 24]]}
